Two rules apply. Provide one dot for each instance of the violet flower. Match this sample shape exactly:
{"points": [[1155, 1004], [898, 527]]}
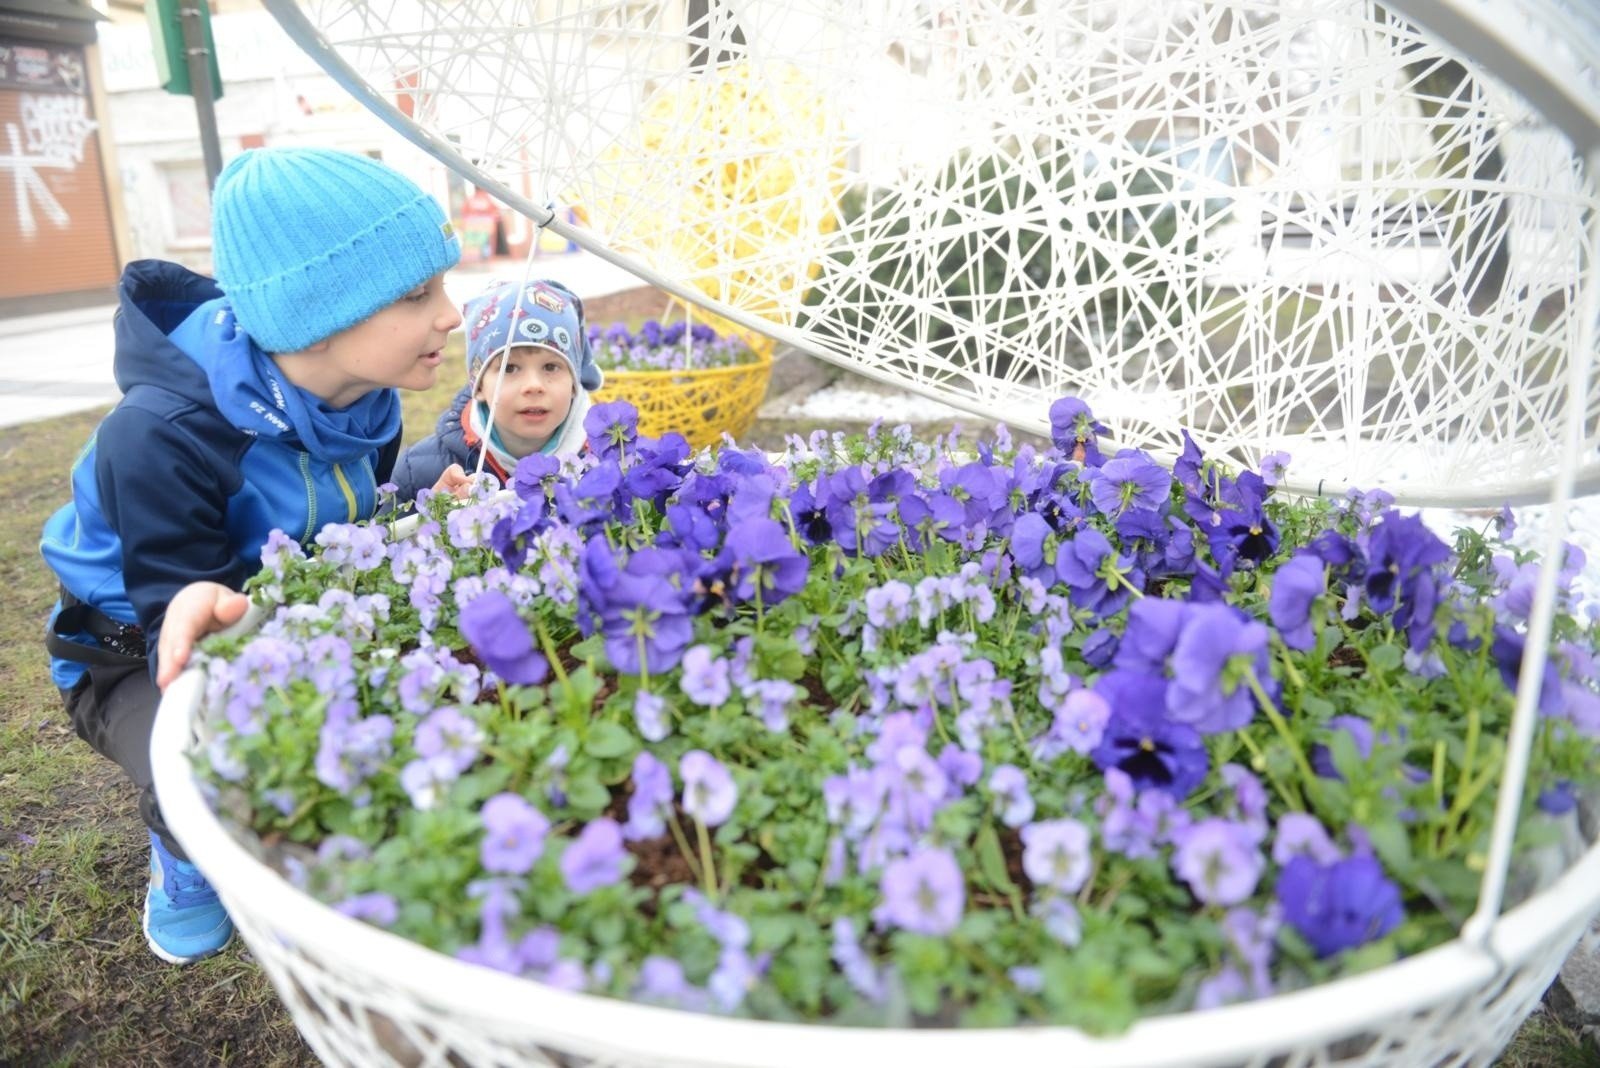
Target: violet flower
{"points": [[514, 834], [1130, 482], [1220, 860], [923, 893], [1056, 854], [497, 633], [1339, 906], [705, 677], [650, 800], [1216, 648], [709, 792], [595, 858], [1155, 752], [1295, 588]]}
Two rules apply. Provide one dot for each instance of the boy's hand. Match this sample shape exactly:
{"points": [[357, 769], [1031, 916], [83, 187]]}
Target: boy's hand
{"points": [[200, 608], [455, 482]]}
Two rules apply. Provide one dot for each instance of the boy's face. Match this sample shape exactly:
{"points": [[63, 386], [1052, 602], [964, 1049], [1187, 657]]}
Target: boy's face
{"points": [[533, 399], [398, 347]]}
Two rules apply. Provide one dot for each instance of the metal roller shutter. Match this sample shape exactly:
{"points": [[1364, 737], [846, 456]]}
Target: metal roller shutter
{"points": [[55, 227]]}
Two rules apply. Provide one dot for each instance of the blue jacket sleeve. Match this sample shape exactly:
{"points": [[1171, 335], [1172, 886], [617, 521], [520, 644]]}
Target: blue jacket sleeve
{"points": [[165, 493]]}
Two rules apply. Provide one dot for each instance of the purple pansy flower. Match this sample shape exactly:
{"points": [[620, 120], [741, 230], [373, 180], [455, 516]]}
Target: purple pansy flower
{"points": [[595, 858], [709, 792], [1130, 482], [650, 800], [1295, 587], [1009, 785], [514, 834], [1141, 741], [923, 892], [1220, 860], [505, 643], [705, 677], [1056, 854], [1341, 905]]}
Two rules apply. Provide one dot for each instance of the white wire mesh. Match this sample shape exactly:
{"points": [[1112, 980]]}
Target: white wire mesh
{"points": [[1298, 224]]}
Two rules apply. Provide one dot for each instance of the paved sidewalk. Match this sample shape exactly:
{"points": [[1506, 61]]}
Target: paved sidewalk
{"points": [[61, 362]]}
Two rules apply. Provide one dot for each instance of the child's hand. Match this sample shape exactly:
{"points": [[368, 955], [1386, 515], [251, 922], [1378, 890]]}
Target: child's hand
{"points": [[200, 608], [455, 482]]}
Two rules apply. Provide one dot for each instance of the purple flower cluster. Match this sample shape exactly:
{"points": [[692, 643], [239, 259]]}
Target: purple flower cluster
{"points": [[674, 347], [887, 692]]}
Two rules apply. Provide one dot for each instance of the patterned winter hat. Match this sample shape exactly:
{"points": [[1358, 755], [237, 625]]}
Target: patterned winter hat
{"points": [[548, 314], [310, 241]]}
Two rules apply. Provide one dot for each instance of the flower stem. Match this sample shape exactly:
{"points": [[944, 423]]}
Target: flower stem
{"points": [[683, 843], [549, 648], [822, 872], [1295, 678], [1290, 798], [1282, 727], [708, 865]]}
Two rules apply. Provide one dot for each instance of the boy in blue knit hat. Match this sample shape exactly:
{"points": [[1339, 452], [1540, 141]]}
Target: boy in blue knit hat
{"points": [[264, 400], [530, 370]]}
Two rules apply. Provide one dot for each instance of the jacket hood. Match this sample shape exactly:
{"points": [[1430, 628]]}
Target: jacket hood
{"points": [[449, 423], [155, 297]]}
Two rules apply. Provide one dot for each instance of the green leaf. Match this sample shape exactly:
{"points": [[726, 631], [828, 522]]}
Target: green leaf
{"points": [[1367, 957], [586, 795], [1393, 846], [992, 860], [1384, 657], [610, 740], [578, 692], [608, 929], [1316, 707]]}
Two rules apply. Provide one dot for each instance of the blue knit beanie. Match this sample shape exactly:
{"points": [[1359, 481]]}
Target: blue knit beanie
{"points": [[549, 314], [310, 241]]}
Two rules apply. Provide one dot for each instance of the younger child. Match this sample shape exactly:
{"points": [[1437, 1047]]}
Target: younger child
{"points": [[530, 370], [263, 400]]}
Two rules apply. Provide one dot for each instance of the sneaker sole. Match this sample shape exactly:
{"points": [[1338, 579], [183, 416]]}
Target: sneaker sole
{"points": [[173, 958]]}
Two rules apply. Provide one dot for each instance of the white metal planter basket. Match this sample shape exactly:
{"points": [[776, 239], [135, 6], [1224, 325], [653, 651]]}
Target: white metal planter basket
{"points": [[364, 997], [1301, 224]]}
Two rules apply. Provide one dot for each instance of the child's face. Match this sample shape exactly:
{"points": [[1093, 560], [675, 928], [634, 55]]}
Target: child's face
{"points": [[533, 399], [398, 347]]}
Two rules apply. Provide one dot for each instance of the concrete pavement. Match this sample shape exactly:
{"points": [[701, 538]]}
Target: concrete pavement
{"points": [[61, 362]]}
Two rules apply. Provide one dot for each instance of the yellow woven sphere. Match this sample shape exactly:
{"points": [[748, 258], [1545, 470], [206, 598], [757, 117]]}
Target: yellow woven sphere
{"points": [[699, 404]]}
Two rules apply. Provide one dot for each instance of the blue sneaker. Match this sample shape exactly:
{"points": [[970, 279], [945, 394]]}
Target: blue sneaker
{"points": [[183, 920]]}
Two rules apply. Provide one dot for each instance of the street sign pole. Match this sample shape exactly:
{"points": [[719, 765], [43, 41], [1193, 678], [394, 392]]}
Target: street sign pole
{"points": [[198, 59]]}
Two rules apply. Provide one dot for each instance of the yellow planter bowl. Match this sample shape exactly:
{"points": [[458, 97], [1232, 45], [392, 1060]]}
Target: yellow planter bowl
{"points": [[701, 405]]}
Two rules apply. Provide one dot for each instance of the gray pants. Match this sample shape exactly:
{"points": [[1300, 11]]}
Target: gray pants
{"points": [[114, 710]]}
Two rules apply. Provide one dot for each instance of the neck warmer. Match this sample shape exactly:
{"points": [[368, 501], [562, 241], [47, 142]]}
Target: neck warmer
{"points": [[566, 440], [255, 396]]}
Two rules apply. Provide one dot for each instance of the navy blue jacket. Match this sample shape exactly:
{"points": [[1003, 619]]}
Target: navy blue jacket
{"points": [[170, 491], [421, 465]]}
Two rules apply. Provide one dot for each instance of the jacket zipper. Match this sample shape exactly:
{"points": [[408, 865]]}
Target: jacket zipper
{"points": [[349, 494], [311, 499]]}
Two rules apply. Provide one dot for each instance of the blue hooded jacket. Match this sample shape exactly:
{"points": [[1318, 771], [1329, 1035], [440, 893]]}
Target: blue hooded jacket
{"points": [[208, 452]]}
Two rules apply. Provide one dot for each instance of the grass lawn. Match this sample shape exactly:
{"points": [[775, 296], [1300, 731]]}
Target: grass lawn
{"points": [[77, 985]]}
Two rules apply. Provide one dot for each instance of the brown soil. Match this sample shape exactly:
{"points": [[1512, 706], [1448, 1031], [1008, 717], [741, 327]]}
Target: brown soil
{"points": [[632, 306]]}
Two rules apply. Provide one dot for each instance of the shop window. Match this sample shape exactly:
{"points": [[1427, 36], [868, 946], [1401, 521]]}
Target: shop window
{"points": [[188, 204]]}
